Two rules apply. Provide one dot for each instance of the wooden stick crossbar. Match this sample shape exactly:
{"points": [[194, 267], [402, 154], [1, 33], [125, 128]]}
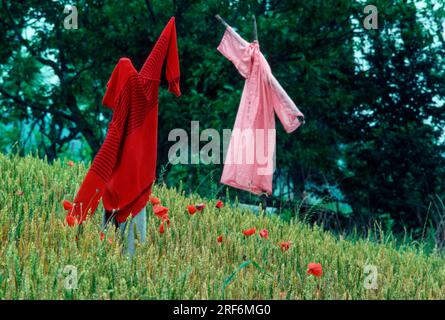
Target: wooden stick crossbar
{"points": [[218, 17], [255, 31]]}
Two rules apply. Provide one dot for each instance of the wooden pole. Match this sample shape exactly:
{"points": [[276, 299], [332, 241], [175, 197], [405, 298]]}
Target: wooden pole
{"points": [[263, 198], [255, 31]]}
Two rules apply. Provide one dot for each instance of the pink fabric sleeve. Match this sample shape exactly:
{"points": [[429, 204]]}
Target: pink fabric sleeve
{"points": [[288, 113], [236, 49]]}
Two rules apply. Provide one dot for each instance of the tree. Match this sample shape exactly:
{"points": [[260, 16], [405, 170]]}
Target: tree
{"points": [[394, 155], [56, 76]]}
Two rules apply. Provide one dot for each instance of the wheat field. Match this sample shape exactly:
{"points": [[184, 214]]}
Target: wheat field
{"points": [[41, 258]]}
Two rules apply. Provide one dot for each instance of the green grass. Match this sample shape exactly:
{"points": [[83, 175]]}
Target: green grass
{"points": [[186, 262]]}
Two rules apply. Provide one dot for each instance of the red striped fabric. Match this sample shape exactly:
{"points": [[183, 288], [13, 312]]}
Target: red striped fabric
{"points": [[123, 170]]}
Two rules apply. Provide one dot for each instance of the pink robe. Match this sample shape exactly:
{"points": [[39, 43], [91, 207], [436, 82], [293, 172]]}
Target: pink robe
{"points": [[250, 160]]}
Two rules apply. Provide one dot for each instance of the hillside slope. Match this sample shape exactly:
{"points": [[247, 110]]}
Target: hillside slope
{"points": [[40, 258]]}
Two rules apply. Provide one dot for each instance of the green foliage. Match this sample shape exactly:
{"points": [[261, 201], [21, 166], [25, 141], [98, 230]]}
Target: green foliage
{"points": [[394, 154]]}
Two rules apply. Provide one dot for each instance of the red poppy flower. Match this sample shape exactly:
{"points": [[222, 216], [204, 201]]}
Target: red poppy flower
{"points": [[160, 211], [264, 234], [110, 240], [165, 218], [19, 193], [314, 269], [191, 209], [219, 204], [102, 236], [249, 232], [71, 220], [67, 205], [200, 206], [219, 239], [284, 246], [161, 228], [154, 201], [70, 163]]}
